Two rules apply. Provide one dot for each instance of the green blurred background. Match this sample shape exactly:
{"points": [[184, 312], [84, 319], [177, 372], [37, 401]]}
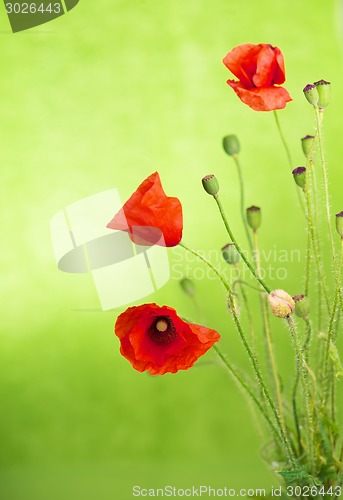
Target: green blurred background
{"points": [[101, 98]]}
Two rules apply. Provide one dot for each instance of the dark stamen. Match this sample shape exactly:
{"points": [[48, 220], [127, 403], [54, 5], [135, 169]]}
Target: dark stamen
{"points": [[162, 331]]}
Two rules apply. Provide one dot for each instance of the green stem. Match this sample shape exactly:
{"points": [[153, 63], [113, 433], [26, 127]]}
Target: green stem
{"points": [[268, 339], [330, 337], [301, 362], [295, 408], [247, 389], [285, 145], [319, 117], [251, 356], [208, 263], [313, 238], [283, 140], [240, 251], [242, 196], [247, 308], [248, 285]]}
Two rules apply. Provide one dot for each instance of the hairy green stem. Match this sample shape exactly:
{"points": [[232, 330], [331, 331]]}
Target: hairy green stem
{"points": [[247, 308], [208, 263], [301, 362], [268, 339], [313, 238], [330, 336], [252, 358], [242, 199], [249, 392], [285, 145], [319, 116], [240, 251]]}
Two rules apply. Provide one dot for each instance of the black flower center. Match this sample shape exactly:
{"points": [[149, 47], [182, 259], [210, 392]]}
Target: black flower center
{"points": [[162, 331]]}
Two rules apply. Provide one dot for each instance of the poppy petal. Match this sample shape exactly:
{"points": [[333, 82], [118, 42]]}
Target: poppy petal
{"points": [[279, 74], [262, 99], [265, 67], [241, 61], [149, 216], [176, 348]]}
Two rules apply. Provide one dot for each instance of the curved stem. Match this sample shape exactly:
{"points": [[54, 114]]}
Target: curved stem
{"points": [[319, 117], [241, 186], [252, 358], [248, 285], [295, 408], [313, 238], [247, 308], [240, 251], [330, 336], [283, 140], [285, 145], [208, 263], [301, 363], [266, 324], [247, 389]]}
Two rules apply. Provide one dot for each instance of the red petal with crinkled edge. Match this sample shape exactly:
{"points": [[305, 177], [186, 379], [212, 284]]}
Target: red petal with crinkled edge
{"points": [[190, 341], [259, 68], [262, 99], [149, 216], [241, 61]]}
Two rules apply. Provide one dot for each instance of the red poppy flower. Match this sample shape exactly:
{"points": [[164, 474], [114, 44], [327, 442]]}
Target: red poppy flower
{"points": [[155, 339], [149, 216], [259, 69]]}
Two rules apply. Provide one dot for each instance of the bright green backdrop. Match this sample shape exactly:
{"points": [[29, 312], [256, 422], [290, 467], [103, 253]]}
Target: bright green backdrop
{"points": [[101, 98]]}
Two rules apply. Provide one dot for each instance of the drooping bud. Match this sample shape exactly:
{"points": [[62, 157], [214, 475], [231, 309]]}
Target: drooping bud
{"points": [[231, 145], [324, 93], [254, 217], [306, 143], [281, 303], [311, 94], [339, 223], [302, 306], [188, 287], [230, 254], [299, 175], [211, 185]]}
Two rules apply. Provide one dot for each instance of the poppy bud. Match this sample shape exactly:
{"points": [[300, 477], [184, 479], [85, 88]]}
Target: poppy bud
{"points": [[302, 306], [306, 143], [339, 224], [230, 254], [187, 286], [299, 175], [231, 145], [254, 217], [281, 303], [324, 92], [311, 94], [211, 185]]}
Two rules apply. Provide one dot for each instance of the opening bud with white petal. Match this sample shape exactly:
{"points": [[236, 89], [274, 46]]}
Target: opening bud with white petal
{"points": [[281, 303]]}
